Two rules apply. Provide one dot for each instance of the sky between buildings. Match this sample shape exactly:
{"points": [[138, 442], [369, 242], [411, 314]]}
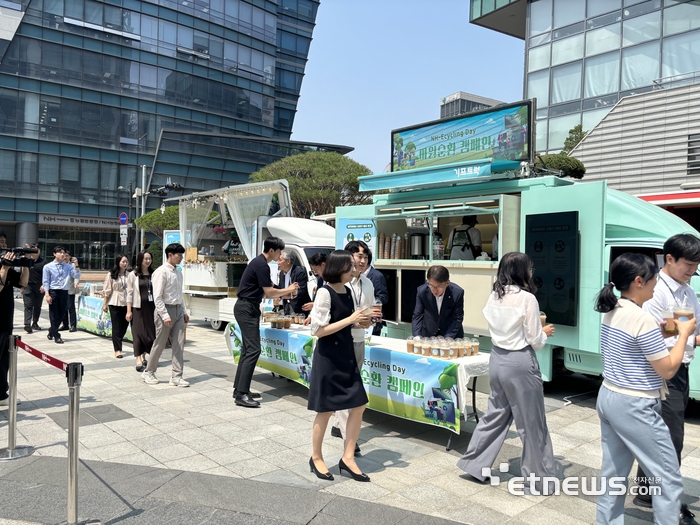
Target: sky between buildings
{"points": [[378, 65]]}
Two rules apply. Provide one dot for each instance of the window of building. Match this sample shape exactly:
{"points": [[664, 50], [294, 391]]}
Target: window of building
{"points": [[540, 16], [602, 74], [7, 165], [48, 169], [540, 135], [640, 65], [599, 7], [681, 54], [683, 17], [693, 154], [592, 118], [566, 83], [567, 50], [559, 128], [603, 40], [538, 87], [641, 29], [568, 11], [538, 58]]}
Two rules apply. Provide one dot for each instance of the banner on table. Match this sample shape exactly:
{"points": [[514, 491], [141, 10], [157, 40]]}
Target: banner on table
{"points": [[91, 318], [405, 385]]}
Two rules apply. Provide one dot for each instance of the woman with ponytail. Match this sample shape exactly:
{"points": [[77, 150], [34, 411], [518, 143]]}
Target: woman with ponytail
{"points": [[635, 364]]}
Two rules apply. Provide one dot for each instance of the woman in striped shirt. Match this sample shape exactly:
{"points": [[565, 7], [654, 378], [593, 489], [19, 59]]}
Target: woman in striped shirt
{"points": [[635, 363]]}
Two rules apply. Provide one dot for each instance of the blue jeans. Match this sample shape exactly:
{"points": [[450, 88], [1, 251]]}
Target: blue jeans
{"points": [[631, 427]]}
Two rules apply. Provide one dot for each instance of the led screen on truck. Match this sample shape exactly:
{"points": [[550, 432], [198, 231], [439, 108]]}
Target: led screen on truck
{"points": [[502, 133]]}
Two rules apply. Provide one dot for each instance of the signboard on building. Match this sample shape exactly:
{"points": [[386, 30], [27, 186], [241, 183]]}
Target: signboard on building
{"points": [[75, 221], [502, 133]]}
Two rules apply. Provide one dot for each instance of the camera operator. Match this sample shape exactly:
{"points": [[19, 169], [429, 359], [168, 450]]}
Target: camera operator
{"points": [[33, 293], [9, 278]]}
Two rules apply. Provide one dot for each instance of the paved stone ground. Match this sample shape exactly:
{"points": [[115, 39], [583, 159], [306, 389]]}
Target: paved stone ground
{"points": [[158, 454]]}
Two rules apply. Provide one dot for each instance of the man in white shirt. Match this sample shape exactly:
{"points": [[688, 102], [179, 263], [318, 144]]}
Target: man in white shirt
{"points": [[170, 317], [681, 257], [362, 293], [465, 240]]}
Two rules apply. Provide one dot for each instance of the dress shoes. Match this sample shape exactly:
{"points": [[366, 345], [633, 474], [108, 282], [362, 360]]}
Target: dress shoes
{"points": [[327, 475], [49, 336], [254, 395], [28, 328], [58, 340], [62, 328], [335, 432], [73, 329], [356, 476], [36, 327], [246, 401]]}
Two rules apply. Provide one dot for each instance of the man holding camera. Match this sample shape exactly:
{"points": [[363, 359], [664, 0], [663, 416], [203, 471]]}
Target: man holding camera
{"points": [[33, 293], [9, 278], [54, 281]]}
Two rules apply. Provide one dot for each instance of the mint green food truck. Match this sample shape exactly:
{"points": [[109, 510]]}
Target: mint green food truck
{"points": [[571, 230]]}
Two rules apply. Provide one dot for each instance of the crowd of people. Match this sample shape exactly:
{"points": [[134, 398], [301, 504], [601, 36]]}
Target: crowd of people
{"points": [[641, 402]]}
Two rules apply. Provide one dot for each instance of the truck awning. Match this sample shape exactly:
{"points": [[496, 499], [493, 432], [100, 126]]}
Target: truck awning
{"points": [[454, 174]]}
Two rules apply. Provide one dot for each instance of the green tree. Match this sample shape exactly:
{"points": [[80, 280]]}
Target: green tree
{"points": [[155, 221], [569, 166], [156, 249], [576, 135], [318, 181]]}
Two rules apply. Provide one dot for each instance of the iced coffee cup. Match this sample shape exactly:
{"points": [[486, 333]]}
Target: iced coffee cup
{"points": [[410, 345], [680, 313], [543, 318]]}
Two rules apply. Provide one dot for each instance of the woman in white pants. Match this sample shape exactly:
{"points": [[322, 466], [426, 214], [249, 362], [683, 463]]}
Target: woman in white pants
{"points": [[635, 362], [513, 315]]}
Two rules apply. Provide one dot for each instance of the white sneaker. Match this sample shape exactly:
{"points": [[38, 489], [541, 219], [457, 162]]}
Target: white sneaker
{"points": [[6, 402], [149, 378], [178, 381]]}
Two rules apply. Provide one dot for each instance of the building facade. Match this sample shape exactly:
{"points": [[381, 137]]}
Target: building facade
{"points": [[583, 56], [203, 93], [460, 103]]}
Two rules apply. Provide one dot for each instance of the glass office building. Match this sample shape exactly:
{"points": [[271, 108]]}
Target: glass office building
{"points": [[582, 56], [201, 92]]}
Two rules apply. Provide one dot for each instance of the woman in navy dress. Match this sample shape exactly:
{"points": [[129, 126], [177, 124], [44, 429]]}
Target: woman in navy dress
{"points": [[335, 378]]}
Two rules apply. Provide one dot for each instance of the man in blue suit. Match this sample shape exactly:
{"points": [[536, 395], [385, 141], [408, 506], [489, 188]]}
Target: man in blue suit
{"points": [[439, 306]]}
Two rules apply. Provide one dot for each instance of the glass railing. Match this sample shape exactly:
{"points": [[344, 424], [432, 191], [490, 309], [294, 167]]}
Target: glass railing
{"points": [[479, 8]]}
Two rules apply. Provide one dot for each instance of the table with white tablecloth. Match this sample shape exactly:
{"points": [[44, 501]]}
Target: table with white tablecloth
{"points": [[425, 389]]}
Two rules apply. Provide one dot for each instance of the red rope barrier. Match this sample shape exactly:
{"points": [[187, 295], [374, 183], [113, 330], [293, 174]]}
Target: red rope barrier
{"points": [[41, 355]]}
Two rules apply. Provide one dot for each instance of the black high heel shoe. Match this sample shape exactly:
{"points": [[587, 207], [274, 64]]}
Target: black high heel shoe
{"points": [[327, 476], [357, 477]]}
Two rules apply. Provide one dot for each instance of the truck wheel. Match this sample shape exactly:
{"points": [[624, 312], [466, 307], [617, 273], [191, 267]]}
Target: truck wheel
{"points": [[218, 325]]}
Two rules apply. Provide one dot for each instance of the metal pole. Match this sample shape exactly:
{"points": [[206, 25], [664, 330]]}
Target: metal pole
{"points": [[143, 199], [13, 451], [74, 374], [128, 231]]}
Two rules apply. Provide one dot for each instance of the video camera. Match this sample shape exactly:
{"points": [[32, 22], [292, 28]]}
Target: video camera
{"points": [[22, 261]]}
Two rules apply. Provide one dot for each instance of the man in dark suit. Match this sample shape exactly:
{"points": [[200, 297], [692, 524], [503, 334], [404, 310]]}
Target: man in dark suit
{"points": [[33, 293], [363, 262], [291, 273], [439, 306]]}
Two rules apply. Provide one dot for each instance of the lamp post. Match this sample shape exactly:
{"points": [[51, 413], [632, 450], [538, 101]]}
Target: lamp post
{"points": [[128, 231]]}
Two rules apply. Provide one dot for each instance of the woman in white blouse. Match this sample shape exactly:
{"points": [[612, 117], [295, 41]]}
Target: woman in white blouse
{"points": [[513, 316], [114, 292]]}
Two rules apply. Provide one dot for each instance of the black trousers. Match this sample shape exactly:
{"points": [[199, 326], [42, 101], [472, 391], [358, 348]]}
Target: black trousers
{"points": [[4, 364], [248, 319], [673, 414], [119, 325], [69, 318], [57, 309], [33, 299]]}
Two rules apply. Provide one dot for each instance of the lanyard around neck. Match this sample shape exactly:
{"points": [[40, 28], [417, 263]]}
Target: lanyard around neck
{"points": [[675, 299], [356, 297]]}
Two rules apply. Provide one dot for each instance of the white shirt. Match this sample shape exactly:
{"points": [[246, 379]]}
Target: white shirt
{"points": [[669, 293], [439, 300], [456, 252], [362, 295], [167, 288], [514, 320]]}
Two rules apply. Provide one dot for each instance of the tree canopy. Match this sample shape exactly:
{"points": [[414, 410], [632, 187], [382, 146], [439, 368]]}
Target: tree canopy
{"points": [[155, 221], [576, 135], [318, 181]]}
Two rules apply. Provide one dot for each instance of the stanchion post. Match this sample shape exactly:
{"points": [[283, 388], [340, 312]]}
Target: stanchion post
{"points": [[13, 451], [74, 374]]}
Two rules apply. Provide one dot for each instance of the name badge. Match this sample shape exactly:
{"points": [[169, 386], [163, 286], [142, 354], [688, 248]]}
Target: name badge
{"points": [[150, 297]]}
